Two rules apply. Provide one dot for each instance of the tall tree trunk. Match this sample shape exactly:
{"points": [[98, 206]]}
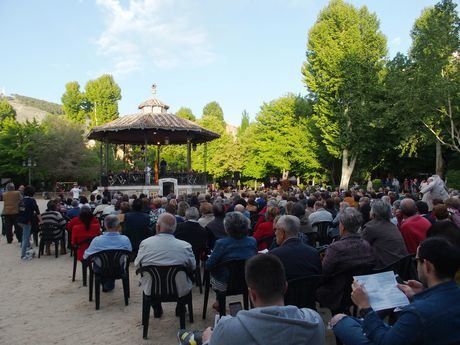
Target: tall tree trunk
{"points": [[348, 165], [439, 160]]}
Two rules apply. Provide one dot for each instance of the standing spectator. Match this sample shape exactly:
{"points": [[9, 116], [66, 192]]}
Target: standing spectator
{"points": [[76, 190], [384, 237], [414, 226], [435, 189], [10, 212], [28, 210]]}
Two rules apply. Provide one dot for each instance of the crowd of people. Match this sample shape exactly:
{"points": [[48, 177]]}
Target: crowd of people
{"points": [[366, 230]]}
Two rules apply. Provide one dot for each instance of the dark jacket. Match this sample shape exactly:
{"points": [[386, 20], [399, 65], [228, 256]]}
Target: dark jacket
{"points": [[298, 259], [193, 233], [386, 240], [350, 252], [215, 230], [230, 248], [432, 318], [29, 211], [136, 228]]}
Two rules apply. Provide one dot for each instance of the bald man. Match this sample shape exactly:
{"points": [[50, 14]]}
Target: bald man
{"points": [[413, 227], [164, 249]]}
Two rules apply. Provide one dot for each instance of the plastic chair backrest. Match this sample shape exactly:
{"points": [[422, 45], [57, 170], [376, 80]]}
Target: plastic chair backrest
{"points": [[301, 291], [322, 228], [163, 281], [51, 231], [111, 264], [236, 283], [404, 267]]}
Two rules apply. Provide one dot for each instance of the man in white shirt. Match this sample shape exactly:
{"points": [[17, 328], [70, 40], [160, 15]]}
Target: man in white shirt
{"points": [[75, 191], [320, 215], [165, 250]]}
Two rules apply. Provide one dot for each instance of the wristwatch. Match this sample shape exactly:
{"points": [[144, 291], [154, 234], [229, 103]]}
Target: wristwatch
{"points": [[363, 312]]}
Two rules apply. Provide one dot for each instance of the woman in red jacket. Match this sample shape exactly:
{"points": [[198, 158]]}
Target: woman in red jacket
{"points": [[84, 227], [265, 229]]}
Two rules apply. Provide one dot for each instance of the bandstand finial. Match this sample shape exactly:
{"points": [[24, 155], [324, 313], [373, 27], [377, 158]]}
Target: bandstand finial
{"points": [[154, 89]]}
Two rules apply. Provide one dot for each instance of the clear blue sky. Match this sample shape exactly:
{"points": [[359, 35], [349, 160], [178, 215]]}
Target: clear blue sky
{"points": [[240, 53]]}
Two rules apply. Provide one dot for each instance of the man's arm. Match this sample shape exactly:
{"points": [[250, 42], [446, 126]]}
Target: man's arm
{"points": [[140, 254], [190, 258]]}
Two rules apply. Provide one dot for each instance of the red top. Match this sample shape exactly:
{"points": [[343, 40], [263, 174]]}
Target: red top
{"points": [[262, 230], [79, 234], [413, 230]]}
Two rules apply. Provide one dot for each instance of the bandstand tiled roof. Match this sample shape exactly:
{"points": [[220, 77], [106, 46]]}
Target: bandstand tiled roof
{"points": [[153, 125]]}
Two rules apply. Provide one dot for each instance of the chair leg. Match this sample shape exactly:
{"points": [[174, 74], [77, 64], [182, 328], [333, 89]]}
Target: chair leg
{"points": [[181, 305], [91, 283], [190, 308], [97, 291], [221, 298], [40, 248], [126, 289], [198, 279], [84, 270], [56, 249], [246, 301], [146, 303], [205, 300], [74, 268]]}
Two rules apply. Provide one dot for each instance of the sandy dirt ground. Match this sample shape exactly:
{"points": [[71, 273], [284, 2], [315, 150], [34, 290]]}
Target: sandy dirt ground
{"points": [[39, 304]]}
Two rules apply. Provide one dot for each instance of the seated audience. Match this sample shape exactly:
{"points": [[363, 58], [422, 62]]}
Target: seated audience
{"points": [[191, 231], [265, 229], [74, 211], [270, 322], [320, 215], [384, 237], [298, 259], [414, 226], [206, 214], [100, 208], [164, 249], [110, 240], [85, 227], [237, 246], [215, 229], [433, 317], [350, 252], [136, 225]]}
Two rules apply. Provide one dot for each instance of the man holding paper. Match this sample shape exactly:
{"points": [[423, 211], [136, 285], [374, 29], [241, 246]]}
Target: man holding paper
{"points": [[433, 317]]}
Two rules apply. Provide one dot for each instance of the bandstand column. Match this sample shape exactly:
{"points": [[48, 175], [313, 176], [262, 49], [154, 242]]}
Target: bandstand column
{"points": [[189, 155], [107, 157]]}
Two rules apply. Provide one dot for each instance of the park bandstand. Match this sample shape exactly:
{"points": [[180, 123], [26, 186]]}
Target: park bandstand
{"points": [[153, 125]]}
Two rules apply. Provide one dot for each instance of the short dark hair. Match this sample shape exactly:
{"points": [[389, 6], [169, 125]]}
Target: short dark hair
{"points": [[422, 207], [218, 210], [446, 229], [29, 191], [311, 202], [444, 256], [137, 205], [265, 274], [170, 208]]}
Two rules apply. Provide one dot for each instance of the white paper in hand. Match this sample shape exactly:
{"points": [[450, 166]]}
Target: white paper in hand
{"points": [[383, 291]]}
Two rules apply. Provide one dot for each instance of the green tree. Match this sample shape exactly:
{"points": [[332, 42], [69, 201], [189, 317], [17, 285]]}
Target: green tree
{"points": [[103, 95], [345, 58], [280, 141], [213, 118], [244, 124], [74, 102], [6, 110], [436, 74], [185, 113]]}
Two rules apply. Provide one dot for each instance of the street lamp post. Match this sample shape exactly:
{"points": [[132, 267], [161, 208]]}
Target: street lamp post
{"points": [[29, 163]]}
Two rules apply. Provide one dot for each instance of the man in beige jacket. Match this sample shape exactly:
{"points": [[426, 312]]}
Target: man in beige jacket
{"points": [[10, 213]]}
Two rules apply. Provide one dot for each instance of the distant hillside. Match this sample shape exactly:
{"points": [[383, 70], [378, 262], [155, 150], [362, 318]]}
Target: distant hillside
{"points": [[28, 108]]}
